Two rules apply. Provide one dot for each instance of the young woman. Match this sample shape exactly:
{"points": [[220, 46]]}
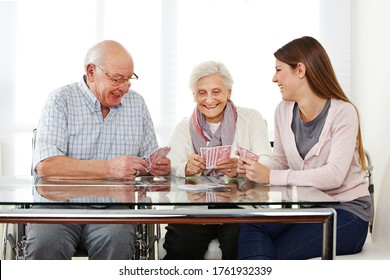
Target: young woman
{"points": [[317, 143]]}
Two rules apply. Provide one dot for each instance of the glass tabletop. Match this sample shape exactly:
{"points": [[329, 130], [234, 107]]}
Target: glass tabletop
{"points": [[148, 191]]}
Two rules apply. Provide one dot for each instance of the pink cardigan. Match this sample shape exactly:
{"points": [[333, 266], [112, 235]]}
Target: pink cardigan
{"points": [[332, 165]]}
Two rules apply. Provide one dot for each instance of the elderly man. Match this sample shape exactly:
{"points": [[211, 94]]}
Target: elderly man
{"points": [[94, 128]]}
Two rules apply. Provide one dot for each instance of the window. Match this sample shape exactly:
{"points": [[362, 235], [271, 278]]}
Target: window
{"points": [[166, 39]]}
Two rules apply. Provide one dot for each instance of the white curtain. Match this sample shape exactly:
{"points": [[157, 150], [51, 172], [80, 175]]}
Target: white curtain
{"points": [[44, 43]]}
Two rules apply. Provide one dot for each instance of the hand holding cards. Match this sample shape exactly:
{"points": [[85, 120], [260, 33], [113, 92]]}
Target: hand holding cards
{"points": [[242, 152], [156, 155], [212, 155]]}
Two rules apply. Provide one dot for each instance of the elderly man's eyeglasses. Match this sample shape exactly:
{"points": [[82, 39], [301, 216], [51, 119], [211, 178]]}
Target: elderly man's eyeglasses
{"points": [[118, 82]]}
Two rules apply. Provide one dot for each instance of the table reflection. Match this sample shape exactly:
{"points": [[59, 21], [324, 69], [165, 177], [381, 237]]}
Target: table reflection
{"points": [[225, 190], [150, 191], [98, 191]]}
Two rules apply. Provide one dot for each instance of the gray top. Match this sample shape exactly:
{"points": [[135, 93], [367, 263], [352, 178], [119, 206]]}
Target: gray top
{"points": [[308, 133]]}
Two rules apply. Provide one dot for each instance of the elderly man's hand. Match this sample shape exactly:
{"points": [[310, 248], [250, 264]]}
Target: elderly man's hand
{"points": [[162, 167], [126, 167]]}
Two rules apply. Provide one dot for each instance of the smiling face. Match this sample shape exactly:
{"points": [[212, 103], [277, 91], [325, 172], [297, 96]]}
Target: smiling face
{"points": [[117, 64], [288, 80], [211, 96], [108, 94]]}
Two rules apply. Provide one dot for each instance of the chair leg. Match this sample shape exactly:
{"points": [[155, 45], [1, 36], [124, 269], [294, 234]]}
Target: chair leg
{"points": [[5, 239]]}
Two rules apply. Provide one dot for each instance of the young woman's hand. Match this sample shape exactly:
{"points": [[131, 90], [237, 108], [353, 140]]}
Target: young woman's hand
{"points": [[253, 170]]}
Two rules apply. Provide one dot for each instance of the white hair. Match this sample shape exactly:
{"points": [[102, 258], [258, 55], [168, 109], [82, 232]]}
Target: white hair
{"points": [[98, 53], [209, 68], [95, 55]]}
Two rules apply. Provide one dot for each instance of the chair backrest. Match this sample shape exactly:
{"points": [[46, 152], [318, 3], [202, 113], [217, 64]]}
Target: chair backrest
{"points": [[34, 136], [369, 176]]}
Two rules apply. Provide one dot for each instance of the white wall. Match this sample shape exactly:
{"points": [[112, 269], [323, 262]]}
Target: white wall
{"points": [[180, 34], [7, 72], [371, 83]]}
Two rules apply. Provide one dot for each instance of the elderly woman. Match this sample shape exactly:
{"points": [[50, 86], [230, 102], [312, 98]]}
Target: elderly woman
{"points": [[216, 121]]}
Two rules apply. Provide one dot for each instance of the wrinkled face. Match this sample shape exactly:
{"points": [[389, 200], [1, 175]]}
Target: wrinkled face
{"points": [[288, 80], [211, 95], [106, 78]]}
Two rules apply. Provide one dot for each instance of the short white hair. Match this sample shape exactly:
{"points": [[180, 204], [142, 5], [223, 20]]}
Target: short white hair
{"points": [[95, 55], [209, 68], [98, 53]]}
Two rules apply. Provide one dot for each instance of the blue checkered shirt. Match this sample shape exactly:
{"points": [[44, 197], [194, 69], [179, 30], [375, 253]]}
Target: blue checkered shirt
{"points": [[72, 124]]}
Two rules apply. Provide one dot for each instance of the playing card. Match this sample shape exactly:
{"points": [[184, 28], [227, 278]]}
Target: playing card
{"points": [[242, 152], [156, 155], [204, 153], [223, 152], [212, 155]]}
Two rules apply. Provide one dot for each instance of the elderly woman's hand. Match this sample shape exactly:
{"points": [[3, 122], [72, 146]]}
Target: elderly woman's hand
{"points": [[195, 165], [228, 166], [240, 168]]}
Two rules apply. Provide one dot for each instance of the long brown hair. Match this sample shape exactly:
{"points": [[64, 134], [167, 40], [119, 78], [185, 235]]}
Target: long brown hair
{"points": [[319, 72]]}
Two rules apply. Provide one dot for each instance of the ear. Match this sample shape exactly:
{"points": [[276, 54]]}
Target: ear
{"points": [[229, 94], [90, 72], [301, 68]]}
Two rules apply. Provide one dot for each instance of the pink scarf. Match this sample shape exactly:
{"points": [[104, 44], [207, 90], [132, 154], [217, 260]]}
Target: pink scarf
{"points": [[201, 134]]}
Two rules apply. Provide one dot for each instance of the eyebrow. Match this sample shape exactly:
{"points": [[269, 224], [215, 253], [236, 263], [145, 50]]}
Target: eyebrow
{"points": [[122, 77], [118, 74]]}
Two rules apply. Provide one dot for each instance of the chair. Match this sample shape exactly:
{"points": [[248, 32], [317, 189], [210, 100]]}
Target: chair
{"points": [[377, 246], [14, 235], [369, 176]]}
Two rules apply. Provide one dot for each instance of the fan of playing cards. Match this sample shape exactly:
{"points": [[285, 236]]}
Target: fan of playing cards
{"points": [[212, 155], [156, 155], [242, 152]]}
